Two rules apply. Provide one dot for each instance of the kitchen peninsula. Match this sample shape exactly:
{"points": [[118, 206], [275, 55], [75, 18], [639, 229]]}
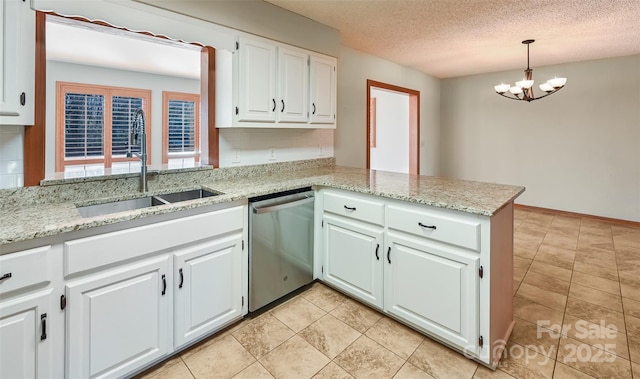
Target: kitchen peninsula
{"points": [[457, 234]]}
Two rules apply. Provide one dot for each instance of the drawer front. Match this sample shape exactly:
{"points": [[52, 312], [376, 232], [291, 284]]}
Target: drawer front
{"points": [[355, 207], [23, 269], [109, 248], [439, 226]]}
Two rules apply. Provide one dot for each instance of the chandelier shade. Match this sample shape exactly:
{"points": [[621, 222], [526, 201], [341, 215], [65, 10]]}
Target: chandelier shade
{"points": [[523, 89]]}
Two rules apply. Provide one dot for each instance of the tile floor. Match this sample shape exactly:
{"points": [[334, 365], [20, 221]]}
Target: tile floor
{"points": [[576, 304]]}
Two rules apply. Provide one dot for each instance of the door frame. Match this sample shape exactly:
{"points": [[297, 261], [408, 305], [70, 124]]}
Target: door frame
{"points": [[414, 123]]}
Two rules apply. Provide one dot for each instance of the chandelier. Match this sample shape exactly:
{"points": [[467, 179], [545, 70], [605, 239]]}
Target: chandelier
{"points": [[523, 90]]}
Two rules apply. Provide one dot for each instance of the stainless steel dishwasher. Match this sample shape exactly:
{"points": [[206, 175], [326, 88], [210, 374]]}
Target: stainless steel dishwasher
{"points": [[280, 245]]}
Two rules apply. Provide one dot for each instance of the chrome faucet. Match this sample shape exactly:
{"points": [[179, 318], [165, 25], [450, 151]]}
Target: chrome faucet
{"points": [[138, 134]]}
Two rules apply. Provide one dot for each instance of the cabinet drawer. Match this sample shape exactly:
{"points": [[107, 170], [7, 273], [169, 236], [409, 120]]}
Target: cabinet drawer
{"points": [[104, 249], [23, 269], [436, 225], [354, 207]]}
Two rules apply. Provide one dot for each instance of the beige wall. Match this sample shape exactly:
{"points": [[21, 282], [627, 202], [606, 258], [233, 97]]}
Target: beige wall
{"points": [[577, 150], [354, 68]]}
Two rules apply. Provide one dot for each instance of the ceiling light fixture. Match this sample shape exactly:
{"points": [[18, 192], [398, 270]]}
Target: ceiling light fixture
{"points": [[523, 90]]}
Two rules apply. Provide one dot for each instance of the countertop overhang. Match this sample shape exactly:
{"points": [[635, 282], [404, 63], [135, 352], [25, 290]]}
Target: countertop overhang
{"points": [[25, 220]]}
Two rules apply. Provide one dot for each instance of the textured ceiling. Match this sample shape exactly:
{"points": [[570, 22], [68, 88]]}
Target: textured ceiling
{"points": [[448, 38]]}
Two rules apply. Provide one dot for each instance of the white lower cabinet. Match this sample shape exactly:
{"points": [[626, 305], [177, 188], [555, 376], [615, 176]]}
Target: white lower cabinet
{"points": [[208, 287], [118, 320], [423, 266], [352, 257], [138, 294], [434, 288], [24, 339]]}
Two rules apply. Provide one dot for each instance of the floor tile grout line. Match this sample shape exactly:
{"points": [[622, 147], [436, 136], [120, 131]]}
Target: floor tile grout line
{"points": [[624, 315], [188, 368], [566, 304], [624, 319]]}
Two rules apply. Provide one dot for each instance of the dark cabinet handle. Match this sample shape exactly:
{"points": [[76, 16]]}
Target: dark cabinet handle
{"points": [[5, 276], [23, 98], [43, 326], [427, 226], [377, 248], [389, 254], [164, 284], [314, 108], [282, 110], [274, 105], [349, 208], [181, 278]]}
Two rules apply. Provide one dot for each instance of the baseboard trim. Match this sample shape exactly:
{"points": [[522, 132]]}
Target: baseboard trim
{"points": [[575, 214]]}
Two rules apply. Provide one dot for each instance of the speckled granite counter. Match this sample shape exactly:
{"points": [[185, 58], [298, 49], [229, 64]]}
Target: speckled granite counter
{"points": [[28, 213]]}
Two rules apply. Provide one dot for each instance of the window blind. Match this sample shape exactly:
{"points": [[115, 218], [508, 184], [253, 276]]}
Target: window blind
{"points": [[83, 125], [182, 120], [122, 110]]}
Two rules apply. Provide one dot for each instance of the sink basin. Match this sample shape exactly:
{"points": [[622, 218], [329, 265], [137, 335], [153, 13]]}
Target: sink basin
{"points": [[143, 202], [186, 195], [118, 206]]}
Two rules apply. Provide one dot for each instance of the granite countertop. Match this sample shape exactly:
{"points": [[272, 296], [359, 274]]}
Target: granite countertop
{"points": [[48, 210]]}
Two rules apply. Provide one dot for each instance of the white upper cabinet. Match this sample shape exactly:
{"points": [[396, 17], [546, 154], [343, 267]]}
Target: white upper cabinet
{"points": [[293, 85], [280, 86], [256, 81], [17, 57], [323, 90]]}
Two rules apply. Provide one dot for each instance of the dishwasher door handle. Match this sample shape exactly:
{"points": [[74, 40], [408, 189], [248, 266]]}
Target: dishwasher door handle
{"points": [[281, 206]]}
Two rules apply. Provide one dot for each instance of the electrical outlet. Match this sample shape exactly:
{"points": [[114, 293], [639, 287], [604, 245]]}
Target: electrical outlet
{"points": [[320, 151], [272, 154], [236, 157]]}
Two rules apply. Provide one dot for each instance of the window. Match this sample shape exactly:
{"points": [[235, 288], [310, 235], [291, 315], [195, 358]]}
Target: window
{"points": [[92, 124], [180, 129]]}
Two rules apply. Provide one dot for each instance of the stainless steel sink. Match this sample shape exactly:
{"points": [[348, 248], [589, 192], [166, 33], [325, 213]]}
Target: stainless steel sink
{"points": [[118, 206], [143, 202], [187, 195]]}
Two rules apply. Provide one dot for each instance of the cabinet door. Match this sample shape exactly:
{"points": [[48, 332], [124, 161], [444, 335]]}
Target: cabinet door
{"points": [[293, 86], [353, 258], [24, 347], [17, 71], [434, 288], [208, 287], [256, 81], [323, 90], [119, 320]]}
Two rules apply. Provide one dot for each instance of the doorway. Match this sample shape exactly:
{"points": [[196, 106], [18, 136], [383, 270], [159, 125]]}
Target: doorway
{"points": [[393, 128]]}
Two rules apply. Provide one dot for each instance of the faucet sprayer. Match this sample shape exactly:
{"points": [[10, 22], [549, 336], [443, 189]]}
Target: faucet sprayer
{"points": [[138, 135]]}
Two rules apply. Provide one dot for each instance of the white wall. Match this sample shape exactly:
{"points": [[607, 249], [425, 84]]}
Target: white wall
{"points": [[241, 147], [577, 150], [69, 72], [391, 152], [354, 68], [11, 161]]}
